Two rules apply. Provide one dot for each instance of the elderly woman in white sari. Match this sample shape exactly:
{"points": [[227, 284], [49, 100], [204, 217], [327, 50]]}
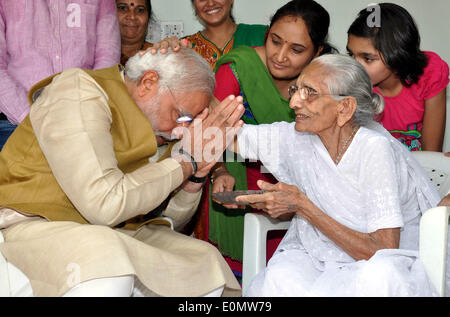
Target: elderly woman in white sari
{"points": [[355, 193]]}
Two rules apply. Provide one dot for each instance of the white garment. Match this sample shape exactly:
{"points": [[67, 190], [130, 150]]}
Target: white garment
{"points": [[118, 286], [376, 185], [389, 272]]}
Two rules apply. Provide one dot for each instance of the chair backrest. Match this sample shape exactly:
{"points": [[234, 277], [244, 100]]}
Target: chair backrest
{"points": [[435, 221], [437, 166], [433, 245]]}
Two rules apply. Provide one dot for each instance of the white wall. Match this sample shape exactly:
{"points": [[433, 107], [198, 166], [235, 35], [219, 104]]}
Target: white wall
{"points": [[431, 16]]}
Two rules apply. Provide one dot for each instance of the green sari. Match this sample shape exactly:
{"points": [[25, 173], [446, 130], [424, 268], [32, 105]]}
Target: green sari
{"points": [[249, 35], [226, 226]]}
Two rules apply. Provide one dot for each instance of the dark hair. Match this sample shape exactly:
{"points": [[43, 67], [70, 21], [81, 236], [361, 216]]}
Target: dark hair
{"points": [[316, 18], [231, 14], [396, 38], [148, 4]]}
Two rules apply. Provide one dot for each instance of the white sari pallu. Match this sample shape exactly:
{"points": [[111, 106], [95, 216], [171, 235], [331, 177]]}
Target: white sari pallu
{"points": [[376, 185]]}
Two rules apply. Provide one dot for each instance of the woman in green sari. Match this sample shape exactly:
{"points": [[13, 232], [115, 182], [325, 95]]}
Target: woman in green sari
{"points": [[262, 75]]}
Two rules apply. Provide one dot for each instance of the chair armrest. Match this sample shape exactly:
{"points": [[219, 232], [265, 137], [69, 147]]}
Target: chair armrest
{"points": [[256, 227], [433, 245]]}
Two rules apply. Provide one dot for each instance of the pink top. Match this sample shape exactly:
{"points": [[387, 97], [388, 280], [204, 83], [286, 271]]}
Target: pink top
{"points": [[403, 114], [41, 38]]}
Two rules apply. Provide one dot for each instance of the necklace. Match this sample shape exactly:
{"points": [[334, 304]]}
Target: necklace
{"points": [[220, 46], [344, 147]]}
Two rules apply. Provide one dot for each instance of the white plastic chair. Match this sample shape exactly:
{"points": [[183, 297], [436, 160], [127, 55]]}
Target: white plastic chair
{"points": [[256, 227], [433, 229], [433, 245]]}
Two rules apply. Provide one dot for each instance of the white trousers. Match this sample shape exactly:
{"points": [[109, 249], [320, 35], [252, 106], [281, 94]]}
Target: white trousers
{"points": [[121, 286], [14, 283]]}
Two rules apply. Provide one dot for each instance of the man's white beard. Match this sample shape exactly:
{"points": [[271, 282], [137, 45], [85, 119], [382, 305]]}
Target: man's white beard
{"points": [[166, 136]]}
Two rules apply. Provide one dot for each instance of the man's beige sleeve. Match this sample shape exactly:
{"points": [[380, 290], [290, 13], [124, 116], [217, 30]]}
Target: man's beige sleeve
{"points": [[72, 121], [182, 206]]}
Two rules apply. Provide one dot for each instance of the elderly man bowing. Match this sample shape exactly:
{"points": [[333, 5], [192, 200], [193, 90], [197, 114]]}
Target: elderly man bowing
{"points": [[86, 175]]}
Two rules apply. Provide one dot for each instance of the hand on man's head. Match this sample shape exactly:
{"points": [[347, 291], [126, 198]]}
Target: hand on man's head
{"points": [[174, 43]]}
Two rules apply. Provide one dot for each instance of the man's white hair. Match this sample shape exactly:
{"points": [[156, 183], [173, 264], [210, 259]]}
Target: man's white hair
{"points": [[181, 71]]}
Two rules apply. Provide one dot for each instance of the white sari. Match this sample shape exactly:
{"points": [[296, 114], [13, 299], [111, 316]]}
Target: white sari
{"points": [[376, 185]]}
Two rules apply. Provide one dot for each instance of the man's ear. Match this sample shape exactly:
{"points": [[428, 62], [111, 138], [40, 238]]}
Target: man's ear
{"points": [[148, 84], [345, 110]]}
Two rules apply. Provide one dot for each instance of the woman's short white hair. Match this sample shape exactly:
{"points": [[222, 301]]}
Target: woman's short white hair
{"points": [[182, 71], [347, 77]]}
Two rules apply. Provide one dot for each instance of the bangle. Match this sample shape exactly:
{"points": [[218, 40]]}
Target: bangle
{"points": [[194, 164], [221, 167], [217, 173], [197, 180]]}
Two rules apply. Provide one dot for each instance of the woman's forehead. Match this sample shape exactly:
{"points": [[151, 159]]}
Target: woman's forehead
{"points": [[311, 72], [133, 3], [293, 30], [314, 75]]}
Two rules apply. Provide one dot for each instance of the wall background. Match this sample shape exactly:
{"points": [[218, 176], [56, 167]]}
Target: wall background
{"points": [[432, 18]]}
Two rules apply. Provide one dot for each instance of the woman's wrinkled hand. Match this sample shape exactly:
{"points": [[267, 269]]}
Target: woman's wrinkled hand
{"points": [[279, 200]]}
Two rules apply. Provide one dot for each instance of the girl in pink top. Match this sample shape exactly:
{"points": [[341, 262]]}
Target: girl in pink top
{"points": [[413, 83]]}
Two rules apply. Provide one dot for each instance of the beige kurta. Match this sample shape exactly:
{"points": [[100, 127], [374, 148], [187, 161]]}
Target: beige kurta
{"points": [[58, 255]]}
